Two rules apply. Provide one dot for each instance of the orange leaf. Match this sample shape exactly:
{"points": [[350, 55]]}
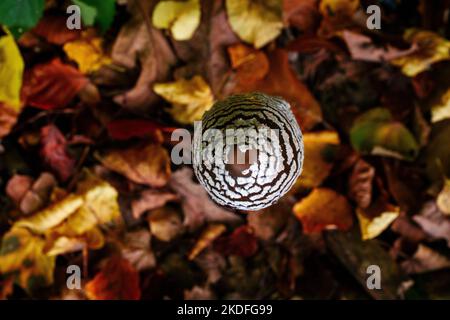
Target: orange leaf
{"points": [[282, 81], [52, 85], [8, 118], [54, 30], [148, 164], [251, 64], [117, 280], [324, 208]]}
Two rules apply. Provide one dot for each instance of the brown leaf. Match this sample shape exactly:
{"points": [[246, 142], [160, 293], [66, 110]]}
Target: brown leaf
{"points": [[425, 259], [268, 222], [17, 187], [139, 44], [208, 235], [302, 14], [324, 208], [54, 152], [148, 164], [198, 208], [136, 249], [241, 242], [117, 280], [433, 222], [304, 105], [52, 85], [250, 64], [165, 224], [360, 183], [149, 200], [54, 29], [8, 118]]}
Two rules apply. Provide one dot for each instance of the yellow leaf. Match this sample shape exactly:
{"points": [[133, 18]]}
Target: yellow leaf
{"points": [[257, 22], [443, 199], [319, 150], [372, 228], [211, 233], [337, 8], [88, 53], [431, 49], [11, 71], [441, 111], [323, 209], [22, 256], [165, 223], [181, 17], [189, 98]]}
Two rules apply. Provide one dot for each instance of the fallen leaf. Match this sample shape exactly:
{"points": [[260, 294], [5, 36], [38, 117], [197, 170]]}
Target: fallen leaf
{"points": [[208, 235], [182, 18], [149, 200], [136, 249], [117, 280], [198, 208], [268, 222], [360, 183], [8, 118], [189, 98], [425, 260], [320, 149], [302, 14], [138, 46], [250, 64], [147, 164], [241, 242], [125, 129], [17, 187], [22, 256], [441, 110], [87, 52], [431, 49], [256, 22], [11, 71], [54, 152], [165, 223], [443, 199], [373, 227], [305, 107], [337, 15], [199, 293], [52, 85], [212, 263], [375, 132], [53, 28], [437, 156], [433, 222], [324, 208], [362, 48]]}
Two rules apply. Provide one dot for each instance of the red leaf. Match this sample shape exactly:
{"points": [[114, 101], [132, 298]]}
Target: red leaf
{"points": [[242, 242], [126, 129], [54, 30], [54, 152], [52, 85], [117, 280]]}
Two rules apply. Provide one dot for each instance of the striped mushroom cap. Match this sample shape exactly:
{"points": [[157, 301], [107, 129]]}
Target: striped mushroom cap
{"points": [[248, 151]]}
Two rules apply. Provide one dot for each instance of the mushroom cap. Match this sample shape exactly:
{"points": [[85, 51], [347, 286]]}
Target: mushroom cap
{"points": [[248, 151]]}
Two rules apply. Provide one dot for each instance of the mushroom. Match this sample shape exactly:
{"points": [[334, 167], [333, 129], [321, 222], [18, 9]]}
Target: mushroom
{"points": [[248, 151]]}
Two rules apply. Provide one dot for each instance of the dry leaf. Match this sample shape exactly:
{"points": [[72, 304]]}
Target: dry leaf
{"points": [[322, 209], [149, 200], [431, 49], [360, 183], [8, 118], [425, 260], [165, 224], [241, 242], [182, 18], [148, 164], [305, 107], [373, 227], [250, 64], [189, 98], [136, 249], [256, 22], [11, 71], [88, 53], [441, 110], [433, 222], [320, 148], [443, 199], [198, 208], [117, 280], [22, 256], [208, 235], [302, 14], [337, 14]]}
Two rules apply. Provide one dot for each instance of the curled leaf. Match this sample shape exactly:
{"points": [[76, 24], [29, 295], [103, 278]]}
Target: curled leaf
{"points": [[255, 22], [323, 208], [373, 227], [189, 98], [181, 17]]}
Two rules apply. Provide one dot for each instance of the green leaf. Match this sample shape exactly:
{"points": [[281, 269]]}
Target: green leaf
{"points": [[375, 132], [97, 11], [21, 15]]}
